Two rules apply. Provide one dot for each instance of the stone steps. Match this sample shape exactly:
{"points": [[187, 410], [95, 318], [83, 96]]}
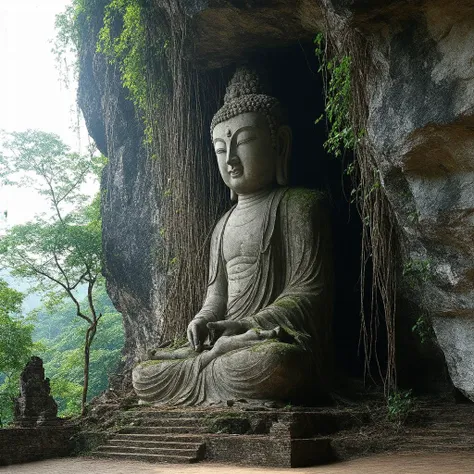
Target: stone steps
{"points": [[157, 429], [282, 438], [155, 458], [272, 438], [155, 443], [162, 437], [166, 421], [159, 437], [159, 449]]}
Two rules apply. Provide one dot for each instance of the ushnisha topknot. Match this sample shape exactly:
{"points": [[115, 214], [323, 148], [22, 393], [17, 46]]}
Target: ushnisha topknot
{"points": [[245, 94]]}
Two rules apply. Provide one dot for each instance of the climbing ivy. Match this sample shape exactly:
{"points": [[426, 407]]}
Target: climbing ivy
{"points": [[336, 72], [126, 48], [346, 67], [423, 328], [124, 40]]}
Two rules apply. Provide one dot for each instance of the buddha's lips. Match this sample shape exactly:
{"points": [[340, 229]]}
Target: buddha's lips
{"points": [[236, 172]]}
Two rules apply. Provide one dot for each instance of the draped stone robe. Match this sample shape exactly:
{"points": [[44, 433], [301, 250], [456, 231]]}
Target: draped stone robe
{"points": [[290, 288]]}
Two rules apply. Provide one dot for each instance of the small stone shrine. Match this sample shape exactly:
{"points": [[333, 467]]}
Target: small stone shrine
{"points": [[35, 405]]}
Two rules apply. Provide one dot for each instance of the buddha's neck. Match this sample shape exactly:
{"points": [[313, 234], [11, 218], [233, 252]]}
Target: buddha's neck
{"points": [[252, 199]]}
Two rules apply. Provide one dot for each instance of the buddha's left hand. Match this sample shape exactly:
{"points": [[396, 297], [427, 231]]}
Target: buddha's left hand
{"points": [[228, 328]]}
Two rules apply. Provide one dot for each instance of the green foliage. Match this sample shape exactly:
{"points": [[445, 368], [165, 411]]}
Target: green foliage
{"points": [[42, 162], [61, 336], [126, 48], [15, 333], [70, 28], [424, 329], [15, 347], [417, 271], [123, 40], [337, 74], [400, 404], [64, 247], [8, 392]]}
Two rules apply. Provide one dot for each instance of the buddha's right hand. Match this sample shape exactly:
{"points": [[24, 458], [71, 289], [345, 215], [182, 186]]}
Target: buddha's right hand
{"points": [[197, 333]]}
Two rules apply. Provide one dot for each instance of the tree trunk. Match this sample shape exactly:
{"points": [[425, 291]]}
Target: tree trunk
{"points": [[87, 348]]}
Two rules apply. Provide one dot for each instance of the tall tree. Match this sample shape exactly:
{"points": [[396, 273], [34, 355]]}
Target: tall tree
{"points": [[60, 250]]}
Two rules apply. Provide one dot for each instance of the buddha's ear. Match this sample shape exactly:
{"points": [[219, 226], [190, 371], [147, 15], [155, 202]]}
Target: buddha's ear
{"points": [[283, 151]]}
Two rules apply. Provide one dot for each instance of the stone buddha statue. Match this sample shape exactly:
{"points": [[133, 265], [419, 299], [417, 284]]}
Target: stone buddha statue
{"points": [[264, 330]]}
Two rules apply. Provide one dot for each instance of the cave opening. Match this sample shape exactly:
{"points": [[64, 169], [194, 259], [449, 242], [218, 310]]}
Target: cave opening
{"points": [[293, 77]]}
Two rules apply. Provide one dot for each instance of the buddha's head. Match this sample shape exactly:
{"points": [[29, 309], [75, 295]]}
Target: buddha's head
{"points": [[251, 142]]}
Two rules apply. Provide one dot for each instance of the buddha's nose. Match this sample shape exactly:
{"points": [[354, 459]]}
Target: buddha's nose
{"points": [[232, 158]]}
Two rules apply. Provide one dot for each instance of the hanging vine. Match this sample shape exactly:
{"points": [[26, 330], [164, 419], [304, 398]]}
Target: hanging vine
{"points": [[346, 68]]}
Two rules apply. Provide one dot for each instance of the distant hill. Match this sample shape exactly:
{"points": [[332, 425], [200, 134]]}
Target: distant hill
{"points": [[32, 300]]}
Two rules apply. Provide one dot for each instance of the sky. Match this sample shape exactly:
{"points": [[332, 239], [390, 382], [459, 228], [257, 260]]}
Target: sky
{"points": [[31, 95]]}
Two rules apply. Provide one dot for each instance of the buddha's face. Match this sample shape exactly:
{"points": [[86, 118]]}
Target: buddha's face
{"points": [[245, 154]]}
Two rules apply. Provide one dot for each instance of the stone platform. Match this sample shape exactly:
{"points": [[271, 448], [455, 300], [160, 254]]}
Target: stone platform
{"points": [[284, 438]]}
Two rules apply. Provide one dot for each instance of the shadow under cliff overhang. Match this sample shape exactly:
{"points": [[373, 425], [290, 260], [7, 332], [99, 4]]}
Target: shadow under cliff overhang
{"points": [[221, 32]]}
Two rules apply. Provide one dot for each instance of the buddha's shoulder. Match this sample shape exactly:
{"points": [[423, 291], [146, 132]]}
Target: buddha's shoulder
{"points": [[219, 227], [302, 200]]}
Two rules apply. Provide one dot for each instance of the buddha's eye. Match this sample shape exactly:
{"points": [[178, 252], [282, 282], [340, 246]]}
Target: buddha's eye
{"points": [[246, 140], [220, 150]]}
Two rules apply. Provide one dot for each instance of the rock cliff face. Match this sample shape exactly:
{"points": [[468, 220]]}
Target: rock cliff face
{"points": [[420, 125], [130, 203], [421, 117]]}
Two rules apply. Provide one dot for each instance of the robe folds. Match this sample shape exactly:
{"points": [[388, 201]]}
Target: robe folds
{"points": [[290, 288]]}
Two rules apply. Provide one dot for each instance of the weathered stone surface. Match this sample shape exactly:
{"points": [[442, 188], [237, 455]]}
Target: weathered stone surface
{"points": [[271, 437], [20, 445], [35, 403], [421, 124], [130, 202], [227, 31]]}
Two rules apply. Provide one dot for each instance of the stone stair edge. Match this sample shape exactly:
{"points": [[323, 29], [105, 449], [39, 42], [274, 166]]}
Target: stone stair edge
{"points": [[158, 441], [145, 449], [140, 456]]}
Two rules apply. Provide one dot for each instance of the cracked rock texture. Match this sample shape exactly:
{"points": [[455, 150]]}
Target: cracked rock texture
{"points": [[421, 124]]}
